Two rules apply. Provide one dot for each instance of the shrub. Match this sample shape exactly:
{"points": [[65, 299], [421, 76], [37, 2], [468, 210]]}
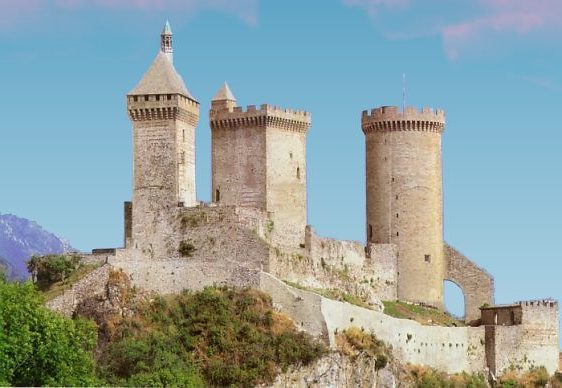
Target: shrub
{"points": [[186, 249], [218, 337], [47, 270]]}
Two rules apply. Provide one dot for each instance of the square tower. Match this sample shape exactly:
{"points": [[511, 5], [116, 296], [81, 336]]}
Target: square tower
{"points": [[164, 116], [259, 161]]}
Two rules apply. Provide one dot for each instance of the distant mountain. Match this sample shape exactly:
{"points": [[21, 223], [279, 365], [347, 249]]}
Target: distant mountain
{"points": [[20, 239]]}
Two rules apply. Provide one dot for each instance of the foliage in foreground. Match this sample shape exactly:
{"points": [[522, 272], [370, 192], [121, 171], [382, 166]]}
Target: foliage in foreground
{"points": [[429, 378], [39, 347], [217, 336]]}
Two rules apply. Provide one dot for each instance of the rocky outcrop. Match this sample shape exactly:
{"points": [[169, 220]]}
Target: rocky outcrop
{"points": [[338, 371]]}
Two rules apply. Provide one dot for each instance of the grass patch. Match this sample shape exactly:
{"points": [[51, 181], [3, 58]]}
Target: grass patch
{"points": [[216, 337], [186, 249], [332, 293], [355, 341], [422, 377], [422, 314]]}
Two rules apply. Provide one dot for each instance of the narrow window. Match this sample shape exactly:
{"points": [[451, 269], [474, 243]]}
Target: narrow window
{"points": [[298, 173], [157, 98], [397, 234], [169, 97], [146, 98], [397, 216], [135, 98], [397, 197], [183, 134], [428, 258], [217, 195], [393, 179], [291, 155], [370, 232]]}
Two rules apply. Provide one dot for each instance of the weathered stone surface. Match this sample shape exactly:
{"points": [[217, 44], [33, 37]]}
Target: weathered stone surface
{"points": [[477, 285], [404, 196]]}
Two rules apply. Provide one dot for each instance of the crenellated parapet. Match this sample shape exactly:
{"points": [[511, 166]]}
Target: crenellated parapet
{"points": [[152, 107], [264, 116], [389, 118]]}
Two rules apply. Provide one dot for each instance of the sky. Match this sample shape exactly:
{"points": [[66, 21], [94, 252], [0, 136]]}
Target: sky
{"points": [[493, 65]]}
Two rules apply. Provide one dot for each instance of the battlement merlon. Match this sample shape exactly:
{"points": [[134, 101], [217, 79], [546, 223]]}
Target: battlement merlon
{"points": [[548, 303], [163, 107], [264, 116], [390, 118]]}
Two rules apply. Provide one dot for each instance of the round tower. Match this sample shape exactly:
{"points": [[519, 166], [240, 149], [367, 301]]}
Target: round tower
{"points": [[404, 196]]}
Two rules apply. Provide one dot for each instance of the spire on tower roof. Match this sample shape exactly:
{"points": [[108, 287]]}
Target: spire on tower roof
{"points": [[167, 29], [224, 93]]}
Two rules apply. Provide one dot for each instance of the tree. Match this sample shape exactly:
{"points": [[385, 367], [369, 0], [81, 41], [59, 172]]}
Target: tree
{"points": [[38, 347]]}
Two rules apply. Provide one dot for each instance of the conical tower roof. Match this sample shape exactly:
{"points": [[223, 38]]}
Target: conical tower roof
{"points": [[162, 77], [224, 93]]}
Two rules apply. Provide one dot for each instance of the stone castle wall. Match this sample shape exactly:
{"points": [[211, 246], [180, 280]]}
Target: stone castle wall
{"points": [[259, 160], [164, 160], [445, 348], [476, 283], [404, 196]]}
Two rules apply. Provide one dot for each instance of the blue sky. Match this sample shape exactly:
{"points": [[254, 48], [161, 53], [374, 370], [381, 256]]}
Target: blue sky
{"points": [[493, 65]]}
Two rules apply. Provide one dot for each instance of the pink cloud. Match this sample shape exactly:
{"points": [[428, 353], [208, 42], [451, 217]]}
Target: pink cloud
{"points": [[502, 17], [13, 11]]}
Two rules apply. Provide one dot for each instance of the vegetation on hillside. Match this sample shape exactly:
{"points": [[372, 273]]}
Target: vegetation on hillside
{"points": [[215, 337], [54, 273], [421, 314], [355, 341], [39, 347], [333, 293]]}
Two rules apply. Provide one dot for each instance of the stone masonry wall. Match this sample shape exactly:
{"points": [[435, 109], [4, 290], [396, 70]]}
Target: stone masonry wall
{"points": [[92, 284], [404, 196], [533, 343], [477, 284], [335, 264], [449, 349]]}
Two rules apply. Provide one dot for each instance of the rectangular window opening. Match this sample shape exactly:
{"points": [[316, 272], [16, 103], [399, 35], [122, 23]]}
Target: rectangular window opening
{"points": [[428, 258]]}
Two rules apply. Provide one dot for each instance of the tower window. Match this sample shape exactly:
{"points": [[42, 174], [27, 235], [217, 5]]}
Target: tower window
{"points": [[298, 173], [397, 215], [157, 98], [169, 97], [291, 155], [135, 98], [397, 234], [393, 179], [146, 98], [217, 195], [370, 232], [428, 258], [397, 197]]}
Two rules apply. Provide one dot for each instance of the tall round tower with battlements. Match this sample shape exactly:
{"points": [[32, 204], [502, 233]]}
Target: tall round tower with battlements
{"points": [[164, 116], [404, 196]]}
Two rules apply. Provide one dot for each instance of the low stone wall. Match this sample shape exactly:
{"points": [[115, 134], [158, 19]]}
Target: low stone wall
{"points": [[449, 349], [175, 275], [92, 284], [477, 284]]}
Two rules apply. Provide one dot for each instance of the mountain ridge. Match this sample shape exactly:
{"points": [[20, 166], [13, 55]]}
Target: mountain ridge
{"points": [[20, 238]]}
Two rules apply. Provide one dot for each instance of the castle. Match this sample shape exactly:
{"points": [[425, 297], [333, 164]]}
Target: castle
{"points": [[255, 230]]}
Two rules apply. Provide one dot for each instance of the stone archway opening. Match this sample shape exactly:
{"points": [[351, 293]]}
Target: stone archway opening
{"points": [[454, 299]]}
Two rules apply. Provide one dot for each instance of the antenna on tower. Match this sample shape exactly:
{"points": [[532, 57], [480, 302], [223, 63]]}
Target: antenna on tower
{"points": [[403, 92]]}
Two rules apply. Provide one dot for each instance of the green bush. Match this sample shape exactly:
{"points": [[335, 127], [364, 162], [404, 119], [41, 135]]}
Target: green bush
{"points": [[47, 270], [39, 347], [186, 249]]}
